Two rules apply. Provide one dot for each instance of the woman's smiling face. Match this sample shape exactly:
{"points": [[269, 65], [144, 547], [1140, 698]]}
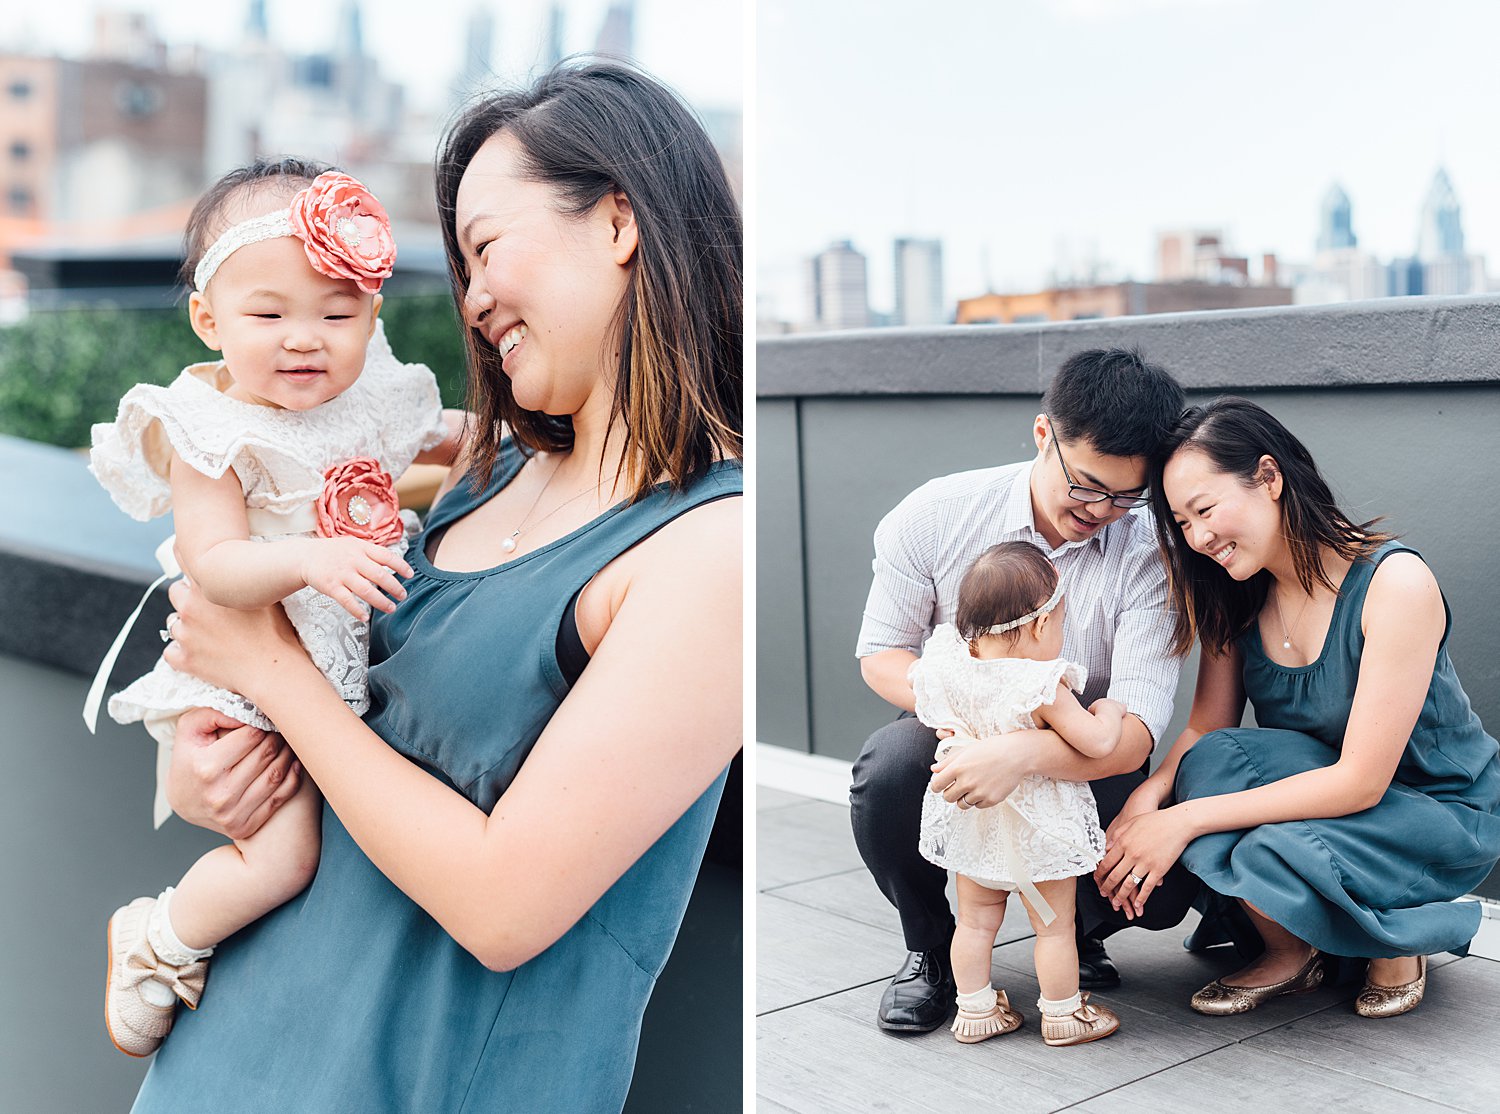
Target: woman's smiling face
{"points": [[1234, 525], [545, 288]]}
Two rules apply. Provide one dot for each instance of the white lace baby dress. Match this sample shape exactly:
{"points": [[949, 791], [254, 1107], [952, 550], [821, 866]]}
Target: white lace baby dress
{"points": [[391, 413], [1046, 829]]}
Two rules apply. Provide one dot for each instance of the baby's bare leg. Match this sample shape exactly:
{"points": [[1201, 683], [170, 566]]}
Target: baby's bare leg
{"points": [[232, 886], [980, 911], [1055, 952]]}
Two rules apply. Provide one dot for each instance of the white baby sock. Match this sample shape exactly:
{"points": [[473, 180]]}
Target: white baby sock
{"points": [[981, 1001], [163, 938], [1063, 1007]]}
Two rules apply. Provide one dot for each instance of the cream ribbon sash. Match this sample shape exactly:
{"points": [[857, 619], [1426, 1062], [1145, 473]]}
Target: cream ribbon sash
{"points": [[168, 562], [261, 520], [1009, 816]]}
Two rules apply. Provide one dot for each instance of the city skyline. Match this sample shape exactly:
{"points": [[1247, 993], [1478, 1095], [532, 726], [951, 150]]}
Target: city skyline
{"points": [[673, 38], [1052, 136]]}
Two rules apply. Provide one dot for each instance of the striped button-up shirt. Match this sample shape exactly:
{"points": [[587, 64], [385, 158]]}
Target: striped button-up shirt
{"points": [[1119, 620]]}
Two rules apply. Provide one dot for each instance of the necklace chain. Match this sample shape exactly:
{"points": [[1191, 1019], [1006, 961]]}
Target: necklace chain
{"points": [[1286, 631], [508, 543]]}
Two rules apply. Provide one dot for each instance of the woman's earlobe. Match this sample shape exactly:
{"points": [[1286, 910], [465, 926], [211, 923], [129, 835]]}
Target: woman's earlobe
{"points": [[1270, 475], [626, 234]]}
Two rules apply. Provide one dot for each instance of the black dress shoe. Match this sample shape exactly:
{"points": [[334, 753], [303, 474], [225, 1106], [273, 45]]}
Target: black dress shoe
{"points": [[1096, 971], [920, 997]]}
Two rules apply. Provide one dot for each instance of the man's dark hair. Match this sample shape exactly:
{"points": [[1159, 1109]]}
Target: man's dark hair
{"points": [[1113, 399]]}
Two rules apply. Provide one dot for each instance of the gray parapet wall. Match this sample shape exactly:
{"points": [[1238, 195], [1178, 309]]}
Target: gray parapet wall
{"points": [[1398, 400], [1389, 342]]}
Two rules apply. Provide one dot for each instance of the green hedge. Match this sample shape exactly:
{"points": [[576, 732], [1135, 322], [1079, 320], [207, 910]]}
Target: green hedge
{"points": [[62, 371]]}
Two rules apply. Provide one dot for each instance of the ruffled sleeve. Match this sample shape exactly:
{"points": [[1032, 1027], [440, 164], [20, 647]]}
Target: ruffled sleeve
{"points": [[408, 408], [932, 674], [1051, 674], [131, 455]]}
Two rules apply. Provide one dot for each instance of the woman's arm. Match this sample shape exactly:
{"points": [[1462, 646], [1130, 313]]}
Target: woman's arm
{"points": [[650, 724], [1218, 702], [213, 547], [1403, 624], [1094, 732]]}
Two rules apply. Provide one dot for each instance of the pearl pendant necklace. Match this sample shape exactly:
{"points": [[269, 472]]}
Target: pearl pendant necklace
{"points": [[509, 543], [1286, 632]]}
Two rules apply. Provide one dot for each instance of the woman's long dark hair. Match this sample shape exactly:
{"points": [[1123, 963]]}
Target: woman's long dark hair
{"points": [[1235, 433], [589, 129]]}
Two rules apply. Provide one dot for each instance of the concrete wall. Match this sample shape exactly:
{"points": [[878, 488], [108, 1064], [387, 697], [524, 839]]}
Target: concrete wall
{"points": [[1399, 402]]}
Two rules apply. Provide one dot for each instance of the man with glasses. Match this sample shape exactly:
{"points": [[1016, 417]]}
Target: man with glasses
{"points": [[1081, 501]]}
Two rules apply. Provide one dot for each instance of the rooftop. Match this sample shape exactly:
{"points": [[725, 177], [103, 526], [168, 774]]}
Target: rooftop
{"points": [[828, 943]]}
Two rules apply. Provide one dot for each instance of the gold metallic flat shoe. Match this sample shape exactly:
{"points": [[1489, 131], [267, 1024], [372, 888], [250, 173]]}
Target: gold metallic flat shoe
{"points": [[1086, 1023], [1219, 1000], [1389, 1001], [999, 1019]]}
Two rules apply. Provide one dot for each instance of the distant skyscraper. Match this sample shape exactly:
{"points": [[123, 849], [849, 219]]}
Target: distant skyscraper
{"points": [[1446, 268], [1442, 230], [256, 28], [839, 288], [919, 282], [1336, 221], [617, 33]]}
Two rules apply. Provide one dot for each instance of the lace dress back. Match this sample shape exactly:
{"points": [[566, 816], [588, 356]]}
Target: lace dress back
{"points": [[1047, 829]]}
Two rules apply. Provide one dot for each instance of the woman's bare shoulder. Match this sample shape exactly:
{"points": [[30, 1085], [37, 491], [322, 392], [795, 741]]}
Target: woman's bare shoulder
{"points": [[1402, 590]]}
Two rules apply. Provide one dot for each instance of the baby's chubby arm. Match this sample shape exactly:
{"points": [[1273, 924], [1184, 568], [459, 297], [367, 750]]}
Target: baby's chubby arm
{"points": [[1093, 731], [214, 549], [447, 451]]}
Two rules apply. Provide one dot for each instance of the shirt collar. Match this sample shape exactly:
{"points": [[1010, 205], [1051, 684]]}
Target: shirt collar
{"points": [[1021, 519]]}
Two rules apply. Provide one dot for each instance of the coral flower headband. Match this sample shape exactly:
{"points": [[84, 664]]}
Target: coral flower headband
{"points": [[345, 231]]}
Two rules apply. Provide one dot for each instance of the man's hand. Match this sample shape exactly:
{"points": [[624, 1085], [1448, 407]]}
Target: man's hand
{"points": [[227, 777], [982, 773]]}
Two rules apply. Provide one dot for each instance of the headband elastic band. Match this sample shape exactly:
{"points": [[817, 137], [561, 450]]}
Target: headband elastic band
{"points": [[1030, 615], [247, 232]]}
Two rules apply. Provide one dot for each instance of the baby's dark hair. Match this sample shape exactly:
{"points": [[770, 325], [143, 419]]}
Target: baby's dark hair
{"points": [[211, 216], [1005, 582]]}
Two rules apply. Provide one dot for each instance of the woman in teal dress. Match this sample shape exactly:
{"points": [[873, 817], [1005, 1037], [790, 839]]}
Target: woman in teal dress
{"points": [[511, 835], [1368, 798]]}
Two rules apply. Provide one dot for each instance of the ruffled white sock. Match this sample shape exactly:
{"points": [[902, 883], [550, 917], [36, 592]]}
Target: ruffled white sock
{"points": [[163, 938], [981, 1001], [1062, 1007]]}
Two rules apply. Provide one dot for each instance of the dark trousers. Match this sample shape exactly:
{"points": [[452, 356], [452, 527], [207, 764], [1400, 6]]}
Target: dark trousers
{"points": [[885, 808]]}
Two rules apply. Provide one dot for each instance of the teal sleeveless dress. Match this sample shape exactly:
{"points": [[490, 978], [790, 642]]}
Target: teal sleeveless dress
{"points": [[350, 998], [1378, 883]]}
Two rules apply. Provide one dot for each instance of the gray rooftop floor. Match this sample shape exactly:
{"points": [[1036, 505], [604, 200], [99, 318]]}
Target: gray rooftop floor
{"points": [[828, 942]]}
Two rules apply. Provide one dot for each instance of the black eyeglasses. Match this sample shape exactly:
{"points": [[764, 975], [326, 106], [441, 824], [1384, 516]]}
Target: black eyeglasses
{"points": [[1083, 494]]}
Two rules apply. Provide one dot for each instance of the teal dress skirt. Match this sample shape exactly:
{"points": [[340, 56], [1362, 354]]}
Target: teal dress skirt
{"points": [[350, 998], [1379, 883]]}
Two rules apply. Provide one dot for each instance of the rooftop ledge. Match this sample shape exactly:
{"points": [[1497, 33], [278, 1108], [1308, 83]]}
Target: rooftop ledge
{"points": [[78, 564], [1387, 341]]}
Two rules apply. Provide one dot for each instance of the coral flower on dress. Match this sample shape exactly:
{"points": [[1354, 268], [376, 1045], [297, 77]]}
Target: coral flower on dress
{"points": [[359, 501], [344, 230]]}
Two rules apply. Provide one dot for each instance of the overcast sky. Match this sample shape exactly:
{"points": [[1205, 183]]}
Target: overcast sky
{"points": [[1034, 129], [694, 45]]}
